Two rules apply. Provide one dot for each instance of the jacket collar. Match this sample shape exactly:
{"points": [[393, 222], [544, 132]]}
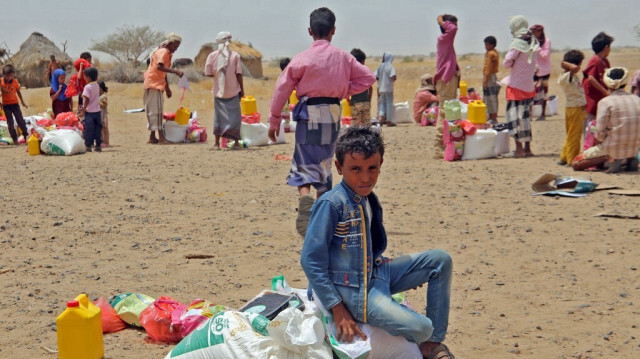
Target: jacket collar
{"points": [[351, 194]]}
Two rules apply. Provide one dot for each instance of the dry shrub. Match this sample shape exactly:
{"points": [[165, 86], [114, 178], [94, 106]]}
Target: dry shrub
{"points": [[190, 72], [123, 73]]}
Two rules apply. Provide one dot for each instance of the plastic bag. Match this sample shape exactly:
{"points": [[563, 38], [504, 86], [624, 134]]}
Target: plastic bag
{"points": [[401, 113], [188, 318], [256, 134], [300, 334], [481, 145], [130, 305], [156, 320], [111, 322], [430, 116], [66, 119], [452, 110], [589, 135], [62, 142]]}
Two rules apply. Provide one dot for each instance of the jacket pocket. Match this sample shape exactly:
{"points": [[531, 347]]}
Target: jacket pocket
{"points": [[346, 279]]}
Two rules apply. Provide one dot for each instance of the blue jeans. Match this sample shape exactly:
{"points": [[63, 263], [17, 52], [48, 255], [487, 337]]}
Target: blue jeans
{"points": [[385, 104], [92, 129], [407, 272]]}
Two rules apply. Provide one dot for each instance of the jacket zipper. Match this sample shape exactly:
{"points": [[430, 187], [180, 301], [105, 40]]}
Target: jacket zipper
{"points": [[364, 250]]}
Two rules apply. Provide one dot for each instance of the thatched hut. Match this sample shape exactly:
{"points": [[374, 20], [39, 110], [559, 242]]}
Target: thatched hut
{"points": [[251, 58], [32, 59]]}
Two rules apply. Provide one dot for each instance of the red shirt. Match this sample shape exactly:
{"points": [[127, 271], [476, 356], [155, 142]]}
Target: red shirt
{"points": [[596, 68]]}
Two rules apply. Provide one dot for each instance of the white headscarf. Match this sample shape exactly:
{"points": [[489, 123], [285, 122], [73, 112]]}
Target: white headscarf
{"points": [[523, 40], [168, 38], [224, 40], [615, 84]]}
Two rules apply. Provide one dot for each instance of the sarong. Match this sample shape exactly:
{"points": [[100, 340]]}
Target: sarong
{"points": [[227, 118], [490, 94], [315, 146], [542, 88], [153, 103], [519, 119]]}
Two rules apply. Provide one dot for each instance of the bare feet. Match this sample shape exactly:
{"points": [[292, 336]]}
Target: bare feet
{"points": [[163, 142], [528, 154], [519, 154], [152, 142]]}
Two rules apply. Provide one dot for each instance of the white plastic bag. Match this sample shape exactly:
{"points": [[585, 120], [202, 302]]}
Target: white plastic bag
{"points": [[62, 142], [255, 134], [387, 346], [502, 142], [175, 133], [481, 145], [281, 138], [301, 335], [401, 114]]}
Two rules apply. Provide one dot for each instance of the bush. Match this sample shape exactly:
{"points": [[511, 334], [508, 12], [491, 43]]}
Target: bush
{"points": [[124, 73], [190, 72]]}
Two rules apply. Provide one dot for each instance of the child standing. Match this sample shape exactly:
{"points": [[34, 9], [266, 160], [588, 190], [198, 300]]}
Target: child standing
{"points": [[10, 88], [59, 101], [575, 102], [343, 257], [447, 77], [322, 76], [361, 103], [386, 76], [490, 85], [593, 82], [104, 113], [543, 71], [521, 59], [91, 111]]}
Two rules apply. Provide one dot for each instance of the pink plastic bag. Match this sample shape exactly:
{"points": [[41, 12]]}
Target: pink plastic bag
{"points": [[111, 322], [589, 136], [188, 318], [156, 320]]}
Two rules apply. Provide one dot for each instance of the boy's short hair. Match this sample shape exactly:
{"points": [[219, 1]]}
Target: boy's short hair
{"points": [[86, 55], [92, 73], [573, 57], [284, 62], [450, 18], [8, 69], [491, 40], [601, 41], [321, 21], [359, 139], [359, 55]]}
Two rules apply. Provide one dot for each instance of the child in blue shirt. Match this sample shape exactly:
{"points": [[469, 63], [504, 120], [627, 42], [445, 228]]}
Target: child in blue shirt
{"points": [[342, 256]]}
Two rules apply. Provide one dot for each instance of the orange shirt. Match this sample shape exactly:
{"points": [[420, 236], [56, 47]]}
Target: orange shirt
{"points": [[491, 60], [9, 96], [154, 78]]}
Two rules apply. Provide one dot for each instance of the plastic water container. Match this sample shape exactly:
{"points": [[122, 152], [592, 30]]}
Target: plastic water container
{"points": [[293, 98], [477, 112], [463, 88], [182, 116], [33, 145], [346, 109], [79, 330], [248, 105], [174, 132]]}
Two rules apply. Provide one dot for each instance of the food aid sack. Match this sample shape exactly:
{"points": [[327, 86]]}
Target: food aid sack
{"points": [[298, 335], [387, 346], [255, 134], [156, 320], [358, 349], [62, 142], [401, 113], [481, 145], [130, 305], [111, 322], [429, 116], [229, 334], [502, 142], [66, 119], [188, 317]]}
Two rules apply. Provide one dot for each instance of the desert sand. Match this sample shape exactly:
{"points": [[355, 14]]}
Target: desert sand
{"points": [[534, 276]]}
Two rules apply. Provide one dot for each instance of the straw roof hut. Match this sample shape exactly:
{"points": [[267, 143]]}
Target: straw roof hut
{"points": [[250, 57], [32, 59]]}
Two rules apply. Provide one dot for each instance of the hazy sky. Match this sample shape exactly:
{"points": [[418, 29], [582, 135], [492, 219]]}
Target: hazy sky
{"points": [[277, 28]]}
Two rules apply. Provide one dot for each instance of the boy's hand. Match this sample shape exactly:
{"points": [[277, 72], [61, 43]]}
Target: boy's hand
{"points": [[273, 134], [346, 327], [168, 93], [25, 105]]}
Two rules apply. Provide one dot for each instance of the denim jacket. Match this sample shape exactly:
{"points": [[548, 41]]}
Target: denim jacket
{"points": [[340, 248]]}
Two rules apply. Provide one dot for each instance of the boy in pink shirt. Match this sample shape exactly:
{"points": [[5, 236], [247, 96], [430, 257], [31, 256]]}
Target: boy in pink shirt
{"points": [[91, 111], [322, 76]]}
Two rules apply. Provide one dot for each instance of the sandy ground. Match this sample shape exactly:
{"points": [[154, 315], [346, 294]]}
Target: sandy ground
{"points": [[534, 276]]}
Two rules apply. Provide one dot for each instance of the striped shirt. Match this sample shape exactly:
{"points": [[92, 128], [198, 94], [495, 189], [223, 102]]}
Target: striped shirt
{"points": [[618, 124]]}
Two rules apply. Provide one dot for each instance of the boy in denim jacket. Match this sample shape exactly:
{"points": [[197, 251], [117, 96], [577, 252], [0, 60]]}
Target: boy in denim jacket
{"points": [[343, 257]]}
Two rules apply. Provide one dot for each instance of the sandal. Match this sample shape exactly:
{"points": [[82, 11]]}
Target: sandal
{"points": [[441, 352]]}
